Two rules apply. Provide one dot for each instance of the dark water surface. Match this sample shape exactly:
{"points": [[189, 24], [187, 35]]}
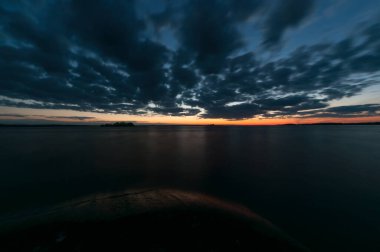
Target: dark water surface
{"points": [[321, 184]]}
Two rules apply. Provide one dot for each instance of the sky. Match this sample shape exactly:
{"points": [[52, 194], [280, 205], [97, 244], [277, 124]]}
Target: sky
{"points": [[237, 62]]}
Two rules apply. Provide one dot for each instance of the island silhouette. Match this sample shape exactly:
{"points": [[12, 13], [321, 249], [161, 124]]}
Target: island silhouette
{"points": [[119, 124]]}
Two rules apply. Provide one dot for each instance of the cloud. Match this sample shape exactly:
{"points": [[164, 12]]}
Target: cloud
{"points": [[12, 115], [364, 110], [80, 118], [104, 56], [209, 31], [286, 14]]}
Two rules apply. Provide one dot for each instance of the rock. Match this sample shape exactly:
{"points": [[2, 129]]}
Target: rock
{"points": [[144, 220]]}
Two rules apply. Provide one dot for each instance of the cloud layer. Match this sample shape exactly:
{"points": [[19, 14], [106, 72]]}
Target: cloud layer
{"points": [[179, 58]]}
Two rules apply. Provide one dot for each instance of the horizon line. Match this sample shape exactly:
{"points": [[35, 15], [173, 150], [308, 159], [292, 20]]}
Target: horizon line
{"points": [[174, 124]]}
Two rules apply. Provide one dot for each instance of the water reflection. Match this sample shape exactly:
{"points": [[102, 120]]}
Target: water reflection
{"points": [[313, 181]]}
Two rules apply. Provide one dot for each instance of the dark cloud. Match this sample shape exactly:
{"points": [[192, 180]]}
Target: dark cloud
{"points": [[80, 118], [12, 115], [286, 14], [240, 111], [104, 56], [209, 30], [364, 110]]}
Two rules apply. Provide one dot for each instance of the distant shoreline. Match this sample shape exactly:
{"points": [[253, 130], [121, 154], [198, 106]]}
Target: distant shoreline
{"points": [[201, 125], [118, 124]]}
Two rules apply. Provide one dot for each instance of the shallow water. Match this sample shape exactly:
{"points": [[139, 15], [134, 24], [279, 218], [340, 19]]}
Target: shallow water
{"points": [[321, 184]]}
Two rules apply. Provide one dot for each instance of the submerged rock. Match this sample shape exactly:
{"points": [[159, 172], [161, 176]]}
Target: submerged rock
{"points": [[144, 220]]}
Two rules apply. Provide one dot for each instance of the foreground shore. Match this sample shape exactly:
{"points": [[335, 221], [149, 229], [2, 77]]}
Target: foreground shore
{"points": [[144, 220]]}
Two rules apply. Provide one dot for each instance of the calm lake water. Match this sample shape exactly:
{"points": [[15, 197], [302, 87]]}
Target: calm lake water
{"points": [[321, 184]]}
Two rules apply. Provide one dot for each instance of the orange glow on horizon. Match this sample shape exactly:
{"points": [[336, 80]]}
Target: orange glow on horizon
{"points": [[63, 116], [247, 122]]}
